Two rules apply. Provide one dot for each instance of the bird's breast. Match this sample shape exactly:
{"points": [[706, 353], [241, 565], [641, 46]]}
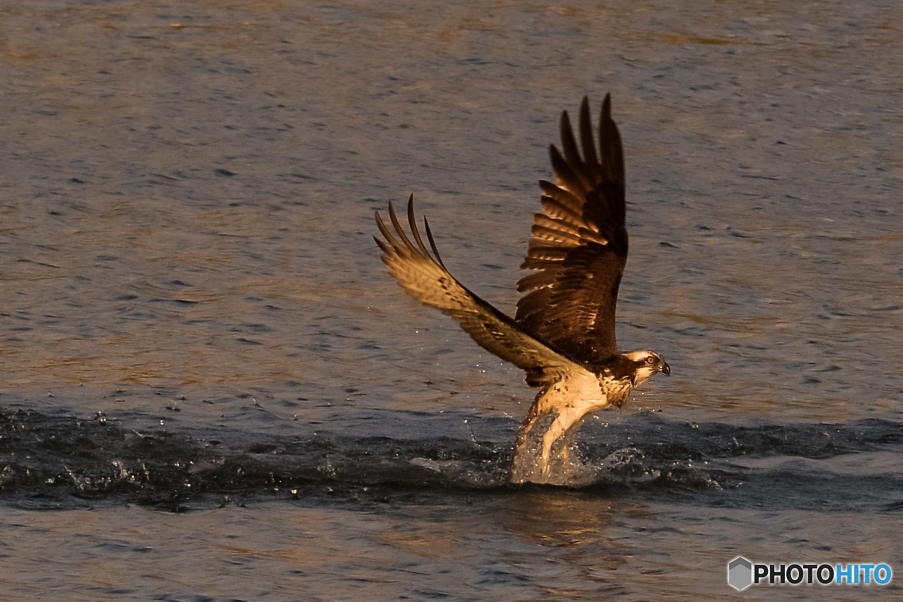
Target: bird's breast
{"points": [[617, 390], [582, 392]]}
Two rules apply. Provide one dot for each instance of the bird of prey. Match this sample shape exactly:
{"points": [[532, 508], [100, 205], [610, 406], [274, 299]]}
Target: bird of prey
{"points": [[563, 334]]}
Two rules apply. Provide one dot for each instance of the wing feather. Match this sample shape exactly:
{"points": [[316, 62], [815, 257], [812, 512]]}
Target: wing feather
{"points": [[558, 203], [424, 277], [555, 235], [579, 243]]}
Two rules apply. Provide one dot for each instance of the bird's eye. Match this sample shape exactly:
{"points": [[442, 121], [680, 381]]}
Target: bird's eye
{"points": [[650, 360]]}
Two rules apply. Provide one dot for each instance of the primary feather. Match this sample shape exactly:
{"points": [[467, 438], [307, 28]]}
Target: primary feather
{"points": [[579, 244], [424, 277]]}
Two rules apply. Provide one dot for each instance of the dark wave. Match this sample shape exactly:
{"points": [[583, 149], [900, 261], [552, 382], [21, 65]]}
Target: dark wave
{"points": [[60, 461]]}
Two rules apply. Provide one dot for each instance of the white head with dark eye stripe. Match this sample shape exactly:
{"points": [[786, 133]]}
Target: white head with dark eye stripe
{"points": [[647, 364]]}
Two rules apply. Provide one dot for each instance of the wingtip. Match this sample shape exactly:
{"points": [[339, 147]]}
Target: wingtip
{"points": [[410, 206], [382, 246], [586, 133], [432, 241], [555, 159], [564, 121]]}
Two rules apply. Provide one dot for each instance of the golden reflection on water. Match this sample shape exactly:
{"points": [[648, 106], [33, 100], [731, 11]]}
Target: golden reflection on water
{"points": [[547, 545], [560, 518]]}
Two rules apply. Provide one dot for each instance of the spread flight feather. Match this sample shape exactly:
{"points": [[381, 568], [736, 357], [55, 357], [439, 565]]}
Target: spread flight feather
{"points": [[566, 321], [425, 278], [570, 301]]}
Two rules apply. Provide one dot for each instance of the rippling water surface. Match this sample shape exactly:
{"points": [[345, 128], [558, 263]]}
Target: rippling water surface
{"points": [[212, 390]]}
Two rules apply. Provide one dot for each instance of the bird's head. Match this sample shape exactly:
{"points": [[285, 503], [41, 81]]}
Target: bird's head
{"points": [[647, 364]]}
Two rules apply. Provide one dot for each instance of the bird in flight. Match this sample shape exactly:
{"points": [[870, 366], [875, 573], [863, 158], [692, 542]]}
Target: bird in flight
{"points": [[563, 334]]}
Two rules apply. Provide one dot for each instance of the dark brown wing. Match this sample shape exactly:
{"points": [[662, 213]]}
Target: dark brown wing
{"points": [[579, 244], [424, 277]]}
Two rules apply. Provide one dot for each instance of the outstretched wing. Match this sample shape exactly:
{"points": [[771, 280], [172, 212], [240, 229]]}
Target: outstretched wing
{"points": [[424, 277], [579, 244]]}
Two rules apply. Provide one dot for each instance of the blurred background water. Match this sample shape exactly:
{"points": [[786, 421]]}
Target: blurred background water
{"points": [[194, 317]]}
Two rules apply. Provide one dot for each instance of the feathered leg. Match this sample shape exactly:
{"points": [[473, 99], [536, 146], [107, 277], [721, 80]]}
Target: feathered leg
{"points": [[562, 425]]}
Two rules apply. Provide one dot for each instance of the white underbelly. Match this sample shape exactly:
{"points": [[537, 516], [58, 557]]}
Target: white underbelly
{"points": [[579, 394]]}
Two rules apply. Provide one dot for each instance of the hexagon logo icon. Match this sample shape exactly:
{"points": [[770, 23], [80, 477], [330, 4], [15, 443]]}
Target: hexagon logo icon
{"points": [[739, 573]]}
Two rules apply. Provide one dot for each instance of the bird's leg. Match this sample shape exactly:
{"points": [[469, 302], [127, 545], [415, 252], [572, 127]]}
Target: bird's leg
{"points": [[559, 427], [565, 452]]}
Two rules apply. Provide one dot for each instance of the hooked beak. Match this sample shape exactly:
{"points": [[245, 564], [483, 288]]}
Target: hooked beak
{"points": [[666, 368]]}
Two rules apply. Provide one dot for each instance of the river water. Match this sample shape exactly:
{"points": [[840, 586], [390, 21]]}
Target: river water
{"points": [[212, 389]]}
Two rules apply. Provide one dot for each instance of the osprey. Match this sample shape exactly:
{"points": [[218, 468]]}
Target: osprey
{"points": [[563, 334]]}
